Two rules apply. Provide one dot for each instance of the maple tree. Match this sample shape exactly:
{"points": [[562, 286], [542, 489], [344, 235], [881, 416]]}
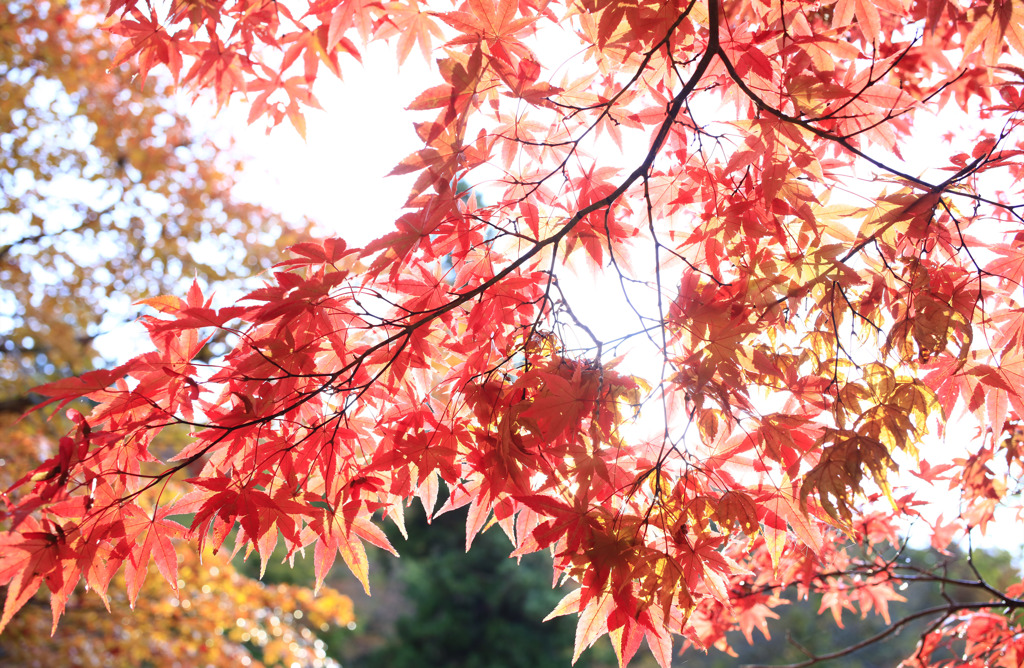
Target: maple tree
{"points": [[103, 186], [819, 310]]}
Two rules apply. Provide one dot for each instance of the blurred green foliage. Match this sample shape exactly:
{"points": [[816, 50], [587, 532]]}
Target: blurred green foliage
{"points": [[478, 609]]}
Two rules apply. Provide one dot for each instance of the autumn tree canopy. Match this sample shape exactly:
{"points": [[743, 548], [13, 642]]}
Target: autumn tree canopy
{"points": [[820, 305], [108, 193]]}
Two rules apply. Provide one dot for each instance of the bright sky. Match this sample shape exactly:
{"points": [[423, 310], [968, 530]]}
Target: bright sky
{"points": [[338, 175]]}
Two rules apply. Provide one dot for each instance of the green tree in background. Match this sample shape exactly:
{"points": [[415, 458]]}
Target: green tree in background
{"points": [[475, 609]]}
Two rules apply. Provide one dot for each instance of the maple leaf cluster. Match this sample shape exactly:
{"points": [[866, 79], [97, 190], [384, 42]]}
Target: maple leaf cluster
{"points": [[817, 306], [108, 182]]}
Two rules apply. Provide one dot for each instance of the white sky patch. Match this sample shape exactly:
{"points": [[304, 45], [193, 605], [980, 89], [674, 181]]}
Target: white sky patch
{"points": [[338, 176]]}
